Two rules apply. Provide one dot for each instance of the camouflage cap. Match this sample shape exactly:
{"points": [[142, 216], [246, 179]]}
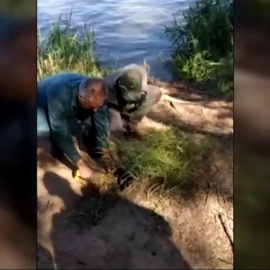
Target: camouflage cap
{"points": [[130, 85]]}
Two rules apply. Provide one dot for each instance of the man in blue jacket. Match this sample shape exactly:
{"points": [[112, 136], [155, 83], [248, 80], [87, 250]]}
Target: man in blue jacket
{"points": [[67, 100]]}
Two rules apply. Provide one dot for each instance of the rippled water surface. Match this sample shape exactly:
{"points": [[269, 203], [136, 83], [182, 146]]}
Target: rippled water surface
{"points": [[127, 31]]}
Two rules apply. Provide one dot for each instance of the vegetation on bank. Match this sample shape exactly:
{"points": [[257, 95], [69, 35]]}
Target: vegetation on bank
{"points": [[202, 40], [67, 48], [168, 159]]}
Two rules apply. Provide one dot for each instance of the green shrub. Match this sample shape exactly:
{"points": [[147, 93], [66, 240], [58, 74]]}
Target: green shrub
{"points": [[202, 41], [197, 67]]}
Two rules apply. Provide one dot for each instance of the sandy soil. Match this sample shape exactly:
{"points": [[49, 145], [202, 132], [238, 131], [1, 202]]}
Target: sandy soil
{"points": [[84, 227]]}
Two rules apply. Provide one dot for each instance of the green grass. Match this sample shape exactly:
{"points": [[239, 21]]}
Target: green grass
{"points": [[202, 40], [168, 159], [67, 49]]}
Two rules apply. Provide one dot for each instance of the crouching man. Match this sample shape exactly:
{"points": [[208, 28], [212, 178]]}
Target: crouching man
{"points": [[130, 98], [71, 100]]}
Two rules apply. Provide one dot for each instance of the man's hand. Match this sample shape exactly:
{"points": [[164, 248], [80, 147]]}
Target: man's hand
{"points": [[84, 170]]}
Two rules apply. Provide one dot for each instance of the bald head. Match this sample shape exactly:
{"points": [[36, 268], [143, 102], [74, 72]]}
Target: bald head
{"points": [[92, 93]]}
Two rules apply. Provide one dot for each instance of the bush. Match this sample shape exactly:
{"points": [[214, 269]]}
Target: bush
{"points": [[197, 68], [203, 42]]}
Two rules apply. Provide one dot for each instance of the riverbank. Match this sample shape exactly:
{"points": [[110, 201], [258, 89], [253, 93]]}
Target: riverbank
{"points": [[178, 208], [67, 49]]}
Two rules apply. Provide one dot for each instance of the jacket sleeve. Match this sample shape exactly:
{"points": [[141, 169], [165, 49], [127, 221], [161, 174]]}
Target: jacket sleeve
{"points": [[102, 124], [60, 129]]}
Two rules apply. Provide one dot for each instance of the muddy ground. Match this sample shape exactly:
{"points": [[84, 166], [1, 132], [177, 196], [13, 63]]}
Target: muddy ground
{"points": [[82, 226]]}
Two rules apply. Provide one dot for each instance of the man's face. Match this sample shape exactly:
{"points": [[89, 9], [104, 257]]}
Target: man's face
{"points": [[91, 103], [95, 104]]}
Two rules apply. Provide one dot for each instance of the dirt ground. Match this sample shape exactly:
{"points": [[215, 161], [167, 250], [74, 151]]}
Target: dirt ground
{"points": [[81, 227]]}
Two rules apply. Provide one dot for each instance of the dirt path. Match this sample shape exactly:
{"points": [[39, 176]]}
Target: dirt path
{"points": [[82, 229]]}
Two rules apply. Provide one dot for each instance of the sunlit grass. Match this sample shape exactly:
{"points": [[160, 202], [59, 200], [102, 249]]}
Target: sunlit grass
{"points": [[169, 159]]}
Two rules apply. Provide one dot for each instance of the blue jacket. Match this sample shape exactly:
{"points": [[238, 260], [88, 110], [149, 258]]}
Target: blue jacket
{"points": [[57, 96]]}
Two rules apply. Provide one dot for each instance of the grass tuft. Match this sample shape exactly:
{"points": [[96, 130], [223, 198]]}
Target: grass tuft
{"points": [[169, 159]]}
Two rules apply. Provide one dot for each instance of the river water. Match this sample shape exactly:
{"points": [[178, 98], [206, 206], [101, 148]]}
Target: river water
{"points": [[126, 31]]}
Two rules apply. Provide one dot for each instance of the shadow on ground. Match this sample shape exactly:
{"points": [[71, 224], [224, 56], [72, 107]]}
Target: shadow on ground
{"points": [[104, 231]]}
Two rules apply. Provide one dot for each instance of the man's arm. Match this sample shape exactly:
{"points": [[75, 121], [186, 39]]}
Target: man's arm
{"points": [[60, 129], [101, 118]]}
